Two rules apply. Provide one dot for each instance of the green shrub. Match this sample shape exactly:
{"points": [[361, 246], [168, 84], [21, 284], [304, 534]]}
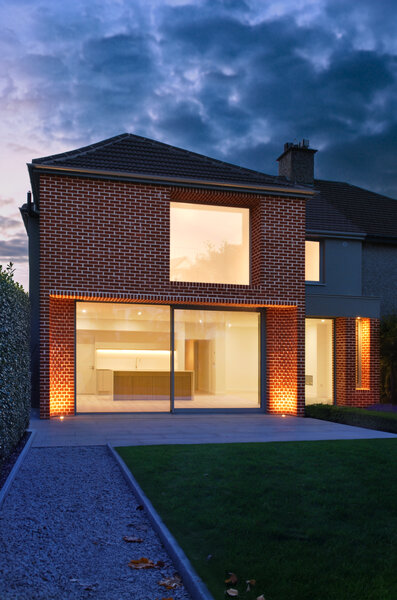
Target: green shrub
{"points": [[388, 359], [14, 361], [359, 417]]}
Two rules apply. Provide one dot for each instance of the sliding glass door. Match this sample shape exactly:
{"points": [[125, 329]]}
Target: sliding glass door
{"points": [[122, 357], [216, 359], [124, 361], [319, 361]]}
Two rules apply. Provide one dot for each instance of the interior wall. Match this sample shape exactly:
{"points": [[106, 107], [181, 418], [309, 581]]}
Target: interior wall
{"points": [[319, 361]]}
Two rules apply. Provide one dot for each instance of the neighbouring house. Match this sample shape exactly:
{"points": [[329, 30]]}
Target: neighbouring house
{"points": [[164, 280]]}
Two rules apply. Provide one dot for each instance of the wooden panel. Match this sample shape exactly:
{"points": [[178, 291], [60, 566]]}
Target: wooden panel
{"points": [[183, 384], [142, 385]]}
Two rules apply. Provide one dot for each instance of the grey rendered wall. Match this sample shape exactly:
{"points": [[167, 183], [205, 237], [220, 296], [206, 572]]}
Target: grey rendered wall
{"points": [[380, 275], [341, 269]]}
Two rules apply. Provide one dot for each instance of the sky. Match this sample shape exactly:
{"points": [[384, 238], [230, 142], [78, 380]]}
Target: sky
{"points": [[231, 79]]}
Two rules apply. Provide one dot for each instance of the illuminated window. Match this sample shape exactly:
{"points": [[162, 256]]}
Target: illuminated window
{"points": [[362, 354], [312, 261], [209, 244]]}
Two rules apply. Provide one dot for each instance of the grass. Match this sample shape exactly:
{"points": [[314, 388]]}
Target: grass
{"points": [[306, 520], [359, 417]]}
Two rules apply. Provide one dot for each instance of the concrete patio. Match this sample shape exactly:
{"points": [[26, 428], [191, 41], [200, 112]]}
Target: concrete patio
{"points": [[152, 429]]}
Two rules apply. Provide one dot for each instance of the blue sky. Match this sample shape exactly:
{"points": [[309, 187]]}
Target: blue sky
{"points": [[230, 79]]}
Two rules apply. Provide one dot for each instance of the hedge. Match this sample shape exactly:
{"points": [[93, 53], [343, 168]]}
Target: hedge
{"points": [[359, 417], [14, 361]]}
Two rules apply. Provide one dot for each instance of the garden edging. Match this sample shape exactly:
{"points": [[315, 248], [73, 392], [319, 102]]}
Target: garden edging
{"points": [[192, 581], [11, 476]]}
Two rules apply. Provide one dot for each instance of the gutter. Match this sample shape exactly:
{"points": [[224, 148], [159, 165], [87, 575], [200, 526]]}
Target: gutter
{"points": [[325, 233], [373, 239], [36, 169]]}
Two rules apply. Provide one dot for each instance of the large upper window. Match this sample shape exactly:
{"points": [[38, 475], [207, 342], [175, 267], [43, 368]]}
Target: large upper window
{"points": [[209, 244], [312, 261]]}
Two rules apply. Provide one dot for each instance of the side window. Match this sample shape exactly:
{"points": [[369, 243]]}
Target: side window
{"points": [[312, 261]]}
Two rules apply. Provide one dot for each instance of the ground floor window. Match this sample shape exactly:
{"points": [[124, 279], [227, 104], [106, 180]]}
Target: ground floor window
{"points": [[148, 358], [319, 361]]}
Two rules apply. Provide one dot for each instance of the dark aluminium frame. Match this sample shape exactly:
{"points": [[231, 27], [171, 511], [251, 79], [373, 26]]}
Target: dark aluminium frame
{"points": [[261, 371]]}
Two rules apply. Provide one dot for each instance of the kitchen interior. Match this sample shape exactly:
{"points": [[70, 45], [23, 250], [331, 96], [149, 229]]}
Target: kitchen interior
{"points": [[123, 358]]}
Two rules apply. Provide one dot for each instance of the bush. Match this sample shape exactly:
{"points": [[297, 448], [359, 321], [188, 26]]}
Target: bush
{"points": [[359, 417], [388, 359], [14, 361]]}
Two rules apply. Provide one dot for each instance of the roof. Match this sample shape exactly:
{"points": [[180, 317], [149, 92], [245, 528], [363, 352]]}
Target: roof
{"points": [[336, 206], [128, 153], [342, 207]]}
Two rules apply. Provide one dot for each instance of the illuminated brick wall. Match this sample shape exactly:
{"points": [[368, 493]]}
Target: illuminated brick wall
{"points": [[109, 240], [285, 361], [61, 358], [347, 392]]}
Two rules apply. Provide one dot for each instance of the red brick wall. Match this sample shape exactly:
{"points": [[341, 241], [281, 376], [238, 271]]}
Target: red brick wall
{"points": [[110, 240], [61, 355], [285, 363], [347, 393]]}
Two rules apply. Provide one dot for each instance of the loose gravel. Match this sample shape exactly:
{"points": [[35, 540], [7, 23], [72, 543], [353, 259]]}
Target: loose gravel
{"points": [[61, 532]]}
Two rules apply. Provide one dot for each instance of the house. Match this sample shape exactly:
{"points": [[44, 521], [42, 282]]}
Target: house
{"points": [[351, 280], [170, 281]]}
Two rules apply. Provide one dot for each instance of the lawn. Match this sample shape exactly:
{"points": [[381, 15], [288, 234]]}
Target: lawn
{"points": [[306, 520]]}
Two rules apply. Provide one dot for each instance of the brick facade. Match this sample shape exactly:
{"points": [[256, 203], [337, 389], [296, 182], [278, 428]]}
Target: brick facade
{"points": [[109, 240], [285, 357], [347, 392]]}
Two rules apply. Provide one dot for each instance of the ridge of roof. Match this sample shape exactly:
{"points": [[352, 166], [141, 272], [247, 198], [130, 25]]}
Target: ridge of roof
{"points": [[174, 151]]}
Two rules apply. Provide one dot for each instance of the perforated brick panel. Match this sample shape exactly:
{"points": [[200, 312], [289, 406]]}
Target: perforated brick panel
{"points": [[347, 393]]}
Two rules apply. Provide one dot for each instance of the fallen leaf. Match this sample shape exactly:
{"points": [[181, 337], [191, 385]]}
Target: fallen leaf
{"points": [[160, 564], [142, 563], [232, 592], [232, 579], [132, 538], [171, 583], [250, 583]]}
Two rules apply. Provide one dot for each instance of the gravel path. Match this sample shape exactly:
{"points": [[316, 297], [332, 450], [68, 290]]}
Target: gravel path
{"points": [[62, 528]]}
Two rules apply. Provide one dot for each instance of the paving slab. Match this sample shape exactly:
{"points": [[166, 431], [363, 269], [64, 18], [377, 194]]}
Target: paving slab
{"points": [[140, 429]]}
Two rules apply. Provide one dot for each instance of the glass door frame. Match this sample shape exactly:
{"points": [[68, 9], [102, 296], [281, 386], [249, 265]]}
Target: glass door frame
{"points": [[262, 378], [333, 354], [261, 366]]}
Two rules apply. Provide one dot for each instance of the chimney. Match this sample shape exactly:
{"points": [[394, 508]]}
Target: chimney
{"points": [[296, 163]]}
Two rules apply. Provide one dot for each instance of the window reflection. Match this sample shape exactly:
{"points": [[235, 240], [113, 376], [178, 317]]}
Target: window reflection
{"points": [[209, 244], [312, 261]]}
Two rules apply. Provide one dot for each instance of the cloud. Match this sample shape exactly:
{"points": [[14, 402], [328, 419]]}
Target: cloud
{"points": [[14, 249], [230, 79]]}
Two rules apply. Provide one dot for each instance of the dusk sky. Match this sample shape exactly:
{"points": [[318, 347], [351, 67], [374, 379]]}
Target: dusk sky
{"points": [[229, 79]]}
